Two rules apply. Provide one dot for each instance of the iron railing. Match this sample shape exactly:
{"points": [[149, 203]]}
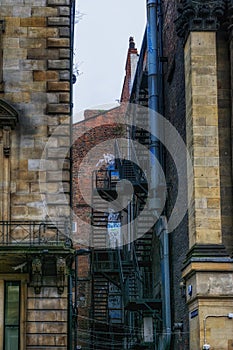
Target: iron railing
{"points": [[105, 179], [34, 233]]}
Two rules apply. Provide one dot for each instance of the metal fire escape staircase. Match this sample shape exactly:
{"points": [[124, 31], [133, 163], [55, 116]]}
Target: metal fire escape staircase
{"points": [[140, 285], [130, 267], [107, 316], [137, 257]]}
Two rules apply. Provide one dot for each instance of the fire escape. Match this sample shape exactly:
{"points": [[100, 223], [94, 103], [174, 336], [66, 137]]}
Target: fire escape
{"points": [[137, 265], [107, 314], [122, 285]]}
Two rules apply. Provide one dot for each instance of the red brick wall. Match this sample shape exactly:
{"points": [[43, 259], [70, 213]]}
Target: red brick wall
{"points": [[89, 136], [89, 145]]}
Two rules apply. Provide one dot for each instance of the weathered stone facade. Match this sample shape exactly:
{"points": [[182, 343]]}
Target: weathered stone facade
{"points": [[198, 103], [35, 118]]}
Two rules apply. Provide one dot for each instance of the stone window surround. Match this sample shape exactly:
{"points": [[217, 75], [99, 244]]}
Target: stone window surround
{"points": [[8, 121]]}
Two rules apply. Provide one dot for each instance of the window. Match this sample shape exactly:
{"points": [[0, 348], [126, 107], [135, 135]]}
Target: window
{"points": [[11, 315]]}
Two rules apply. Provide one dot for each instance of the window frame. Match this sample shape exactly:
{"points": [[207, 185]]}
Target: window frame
{"points": [[18, 326]]}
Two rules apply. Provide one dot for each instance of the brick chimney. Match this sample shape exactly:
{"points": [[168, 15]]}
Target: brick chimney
{"points": [[130, 68]]}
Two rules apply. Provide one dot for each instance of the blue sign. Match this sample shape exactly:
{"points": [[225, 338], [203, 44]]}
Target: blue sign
{"points": [[194, 313]]}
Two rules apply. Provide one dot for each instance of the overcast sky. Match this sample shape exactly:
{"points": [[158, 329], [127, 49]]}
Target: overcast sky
{"points": [[101, 44]]}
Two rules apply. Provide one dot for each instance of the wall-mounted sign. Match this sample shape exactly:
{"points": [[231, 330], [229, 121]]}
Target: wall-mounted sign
{"points": [[148, 329], [194, 313], [114, 234]]}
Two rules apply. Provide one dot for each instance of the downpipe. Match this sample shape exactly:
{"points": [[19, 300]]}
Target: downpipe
{"points": [[70, 313], [153, 96], [165, 273], [153, 40]]}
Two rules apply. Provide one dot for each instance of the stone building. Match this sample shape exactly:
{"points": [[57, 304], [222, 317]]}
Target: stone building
{"points": [[198, 101], [188, 50], [36, 38], [172, 288]]}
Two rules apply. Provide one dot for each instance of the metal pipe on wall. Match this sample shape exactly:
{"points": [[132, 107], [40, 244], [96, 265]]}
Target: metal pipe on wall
{"points": [[70, 313], [153, 39], [153, 91], [69, 296]]}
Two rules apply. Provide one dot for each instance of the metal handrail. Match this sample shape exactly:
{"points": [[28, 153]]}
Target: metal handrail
{"points": [[128, 152], [137, 271], [17, 232], [104, 179], [118, 154]]}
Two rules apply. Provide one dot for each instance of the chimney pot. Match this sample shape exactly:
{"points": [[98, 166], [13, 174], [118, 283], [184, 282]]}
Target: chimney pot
{"points": [[131, 43]]}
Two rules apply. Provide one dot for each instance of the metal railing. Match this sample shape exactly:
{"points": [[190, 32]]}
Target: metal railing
{"points": [[105, 179], [129, 165], [13, 233]]}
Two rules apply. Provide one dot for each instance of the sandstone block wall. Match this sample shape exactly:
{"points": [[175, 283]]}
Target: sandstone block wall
{"points": [[36, 64], [36, 82], [197, 102], [203, 137]]}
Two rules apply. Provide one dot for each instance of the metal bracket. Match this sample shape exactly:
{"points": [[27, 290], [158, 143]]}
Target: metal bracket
{"points": [[6, 141], [61, 272], [37, 274]]}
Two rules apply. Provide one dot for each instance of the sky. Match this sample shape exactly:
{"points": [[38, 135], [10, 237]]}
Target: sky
{"points": [[101, 44]]}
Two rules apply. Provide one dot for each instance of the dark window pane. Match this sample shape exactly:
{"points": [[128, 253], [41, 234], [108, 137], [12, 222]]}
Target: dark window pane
{"points": [[12, 305], [12, 315], [11, 338]]}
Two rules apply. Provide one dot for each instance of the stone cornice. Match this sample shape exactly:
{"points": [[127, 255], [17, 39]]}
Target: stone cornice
{"points": [[209, 257], [200, 15]]}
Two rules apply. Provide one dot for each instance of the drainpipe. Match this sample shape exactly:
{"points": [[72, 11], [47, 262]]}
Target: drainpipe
{"points": [[153, 93], [69, 294], [166, 305], [70, 313], [78, 252], [72, 25], [153, 8]]}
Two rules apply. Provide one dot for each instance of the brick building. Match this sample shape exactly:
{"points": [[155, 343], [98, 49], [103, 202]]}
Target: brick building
{"points": [[189, 50], [93, 143], [130, 68], [36, 38]]}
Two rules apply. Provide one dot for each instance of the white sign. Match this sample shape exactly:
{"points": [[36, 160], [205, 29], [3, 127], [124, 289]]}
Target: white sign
{"points": [[148, 329], [114, 234]]}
